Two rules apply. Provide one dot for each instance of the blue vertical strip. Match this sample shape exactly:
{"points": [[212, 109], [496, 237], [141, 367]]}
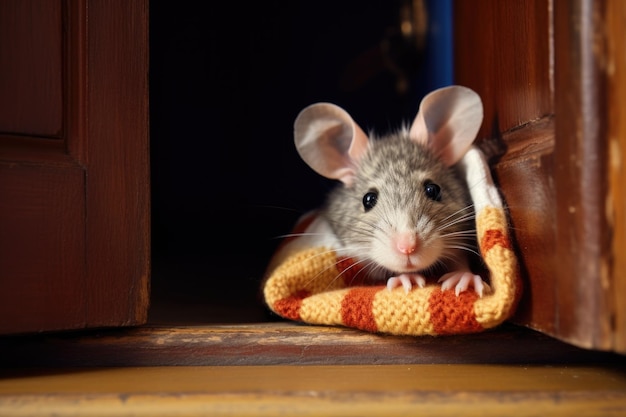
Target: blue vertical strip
{"points": [[437, 68], [439, 59]]}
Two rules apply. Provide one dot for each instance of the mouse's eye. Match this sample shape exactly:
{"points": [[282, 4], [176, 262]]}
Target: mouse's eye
{"points": [[432, 191], [370, 199]]}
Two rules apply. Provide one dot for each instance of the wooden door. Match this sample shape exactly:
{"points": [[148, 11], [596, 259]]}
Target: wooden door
{"points": [[551, 74], [74, 174]]}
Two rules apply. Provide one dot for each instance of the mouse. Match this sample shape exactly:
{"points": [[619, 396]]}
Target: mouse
{"points": [[402, 209]]}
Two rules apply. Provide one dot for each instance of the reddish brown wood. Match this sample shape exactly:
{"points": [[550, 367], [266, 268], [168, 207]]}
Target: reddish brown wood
{"points": [[41, 252], [283, 344], [502, 50], [117, 157], [616, 213], [580, 175], [32, 76], [74, 214]]}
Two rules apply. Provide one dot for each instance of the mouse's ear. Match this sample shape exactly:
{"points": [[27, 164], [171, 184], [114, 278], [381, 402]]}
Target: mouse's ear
{"points": [[447, 121], [329, 141]]}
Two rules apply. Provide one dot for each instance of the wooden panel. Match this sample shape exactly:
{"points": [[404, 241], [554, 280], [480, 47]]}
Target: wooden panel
{"points": [[41, 253], [31, 55], [502, 50], [117, 156], [42, 210], [616, 71]]}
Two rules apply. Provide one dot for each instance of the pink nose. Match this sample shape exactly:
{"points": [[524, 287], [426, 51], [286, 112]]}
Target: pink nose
{"points": [[407, 243]]}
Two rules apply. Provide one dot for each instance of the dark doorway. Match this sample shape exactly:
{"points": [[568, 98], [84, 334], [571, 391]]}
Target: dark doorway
{"points": [[227, 80]]}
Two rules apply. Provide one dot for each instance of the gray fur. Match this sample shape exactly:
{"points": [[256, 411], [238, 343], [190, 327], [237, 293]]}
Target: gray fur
{"points": [[397, 168]]}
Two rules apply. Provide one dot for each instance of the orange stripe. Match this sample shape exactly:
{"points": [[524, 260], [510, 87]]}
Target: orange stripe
{"points": [[450, 314], [492, 238], [356, 308], [289, 307], [351, 272]]}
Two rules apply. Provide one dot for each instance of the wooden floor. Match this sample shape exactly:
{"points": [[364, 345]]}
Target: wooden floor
{"points": [[289, 369], [351, 390]]}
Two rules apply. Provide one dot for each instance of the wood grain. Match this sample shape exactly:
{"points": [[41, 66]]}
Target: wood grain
{"points": [[555, 177], [616, 72], [283, 344], [580, 175], [117, 156], [317, 390], [31, 85], [35, 238], [504, 55]]}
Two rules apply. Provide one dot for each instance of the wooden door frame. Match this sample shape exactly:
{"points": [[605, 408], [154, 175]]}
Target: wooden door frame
{"points": [[583, 233], [551, 97]]}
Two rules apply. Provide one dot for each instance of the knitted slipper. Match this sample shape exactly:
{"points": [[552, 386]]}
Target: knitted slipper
{"points": [[308, 282]]}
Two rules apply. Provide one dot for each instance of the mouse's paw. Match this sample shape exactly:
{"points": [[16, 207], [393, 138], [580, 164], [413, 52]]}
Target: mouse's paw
{"points": [[406, 281], [461, 280]]}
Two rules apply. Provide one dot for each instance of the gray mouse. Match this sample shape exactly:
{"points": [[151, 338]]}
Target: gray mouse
{"points": [[403, 210]]}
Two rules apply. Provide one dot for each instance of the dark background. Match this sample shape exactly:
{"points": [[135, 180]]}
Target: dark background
{"points": [[227, 80]]}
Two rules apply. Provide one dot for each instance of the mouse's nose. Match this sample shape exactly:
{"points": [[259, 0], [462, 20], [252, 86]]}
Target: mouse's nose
{"points": [[407, 243]]}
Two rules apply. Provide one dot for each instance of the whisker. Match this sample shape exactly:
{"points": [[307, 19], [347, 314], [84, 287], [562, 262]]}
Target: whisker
{"points": [[341, 252], [469, 207], [461, 233], [455, 222], [365, 263], [289, 235], [465, 248]]}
